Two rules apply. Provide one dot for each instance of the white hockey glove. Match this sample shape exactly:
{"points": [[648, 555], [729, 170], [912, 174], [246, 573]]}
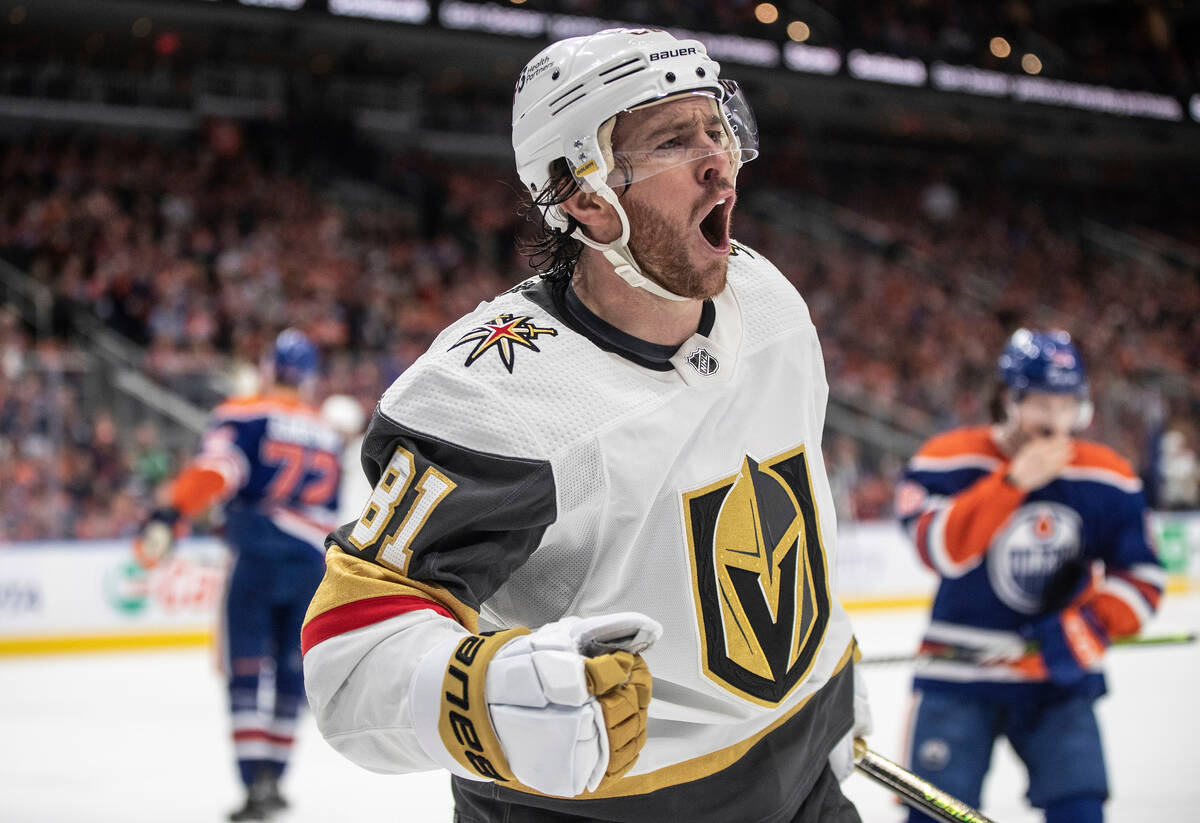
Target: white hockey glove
{"points": [[841, 759], [560, 710]]}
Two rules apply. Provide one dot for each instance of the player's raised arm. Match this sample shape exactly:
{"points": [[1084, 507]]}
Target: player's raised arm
{"points": [[211, 477]]}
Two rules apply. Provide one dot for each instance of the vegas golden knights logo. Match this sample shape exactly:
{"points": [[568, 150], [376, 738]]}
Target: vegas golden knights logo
{"points": [[759, 575]]}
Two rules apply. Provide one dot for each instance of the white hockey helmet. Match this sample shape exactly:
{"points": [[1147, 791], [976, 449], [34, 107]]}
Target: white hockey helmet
{"points": [[344, 413], [567, 100]]}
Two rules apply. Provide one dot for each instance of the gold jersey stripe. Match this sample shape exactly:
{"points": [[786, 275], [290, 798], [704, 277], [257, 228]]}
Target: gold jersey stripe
{"points": [[698, 767], [349, 579]]}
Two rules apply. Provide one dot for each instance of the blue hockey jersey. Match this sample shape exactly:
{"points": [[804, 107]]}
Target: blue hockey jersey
{"points": [[1077, 546], [275, 465]]}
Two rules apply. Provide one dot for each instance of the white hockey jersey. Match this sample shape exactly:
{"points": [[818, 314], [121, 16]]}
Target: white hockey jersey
{"points": [[536, 463]]}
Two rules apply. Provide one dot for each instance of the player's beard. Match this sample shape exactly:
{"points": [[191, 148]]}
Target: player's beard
{"points": [[661, 250]]}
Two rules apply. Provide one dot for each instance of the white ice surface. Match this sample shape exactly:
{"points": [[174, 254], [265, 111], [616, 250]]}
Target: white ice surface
{"points": [[125, 738]]}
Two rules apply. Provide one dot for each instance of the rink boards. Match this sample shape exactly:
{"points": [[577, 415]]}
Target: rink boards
{"points": [[92, 596]]}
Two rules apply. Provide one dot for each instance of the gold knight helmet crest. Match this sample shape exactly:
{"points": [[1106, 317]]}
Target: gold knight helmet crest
{"points": [[760, 576]]}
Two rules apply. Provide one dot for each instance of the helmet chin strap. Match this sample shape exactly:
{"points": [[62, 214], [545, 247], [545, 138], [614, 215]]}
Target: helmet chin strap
{"points": [[618, 253]]}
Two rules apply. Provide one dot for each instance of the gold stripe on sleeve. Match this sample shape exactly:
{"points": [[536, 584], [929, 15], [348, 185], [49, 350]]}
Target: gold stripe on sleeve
{"points": [[349, 578]]}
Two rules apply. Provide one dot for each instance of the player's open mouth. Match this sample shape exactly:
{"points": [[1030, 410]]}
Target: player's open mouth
{"points": [[714, 228]]}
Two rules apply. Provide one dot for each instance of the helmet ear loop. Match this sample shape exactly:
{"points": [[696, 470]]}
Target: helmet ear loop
{"points": [[601, 189], [559, 220], [618, 253]]}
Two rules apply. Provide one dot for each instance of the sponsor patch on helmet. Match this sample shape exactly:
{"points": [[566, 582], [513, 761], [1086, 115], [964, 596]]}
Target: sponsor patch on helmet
{"points": [[541, 66]]}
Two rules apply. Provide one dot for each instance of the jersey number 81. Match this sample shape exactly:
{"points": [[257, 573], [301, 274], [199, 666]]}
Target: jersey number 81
{"points": [[433, 487]]}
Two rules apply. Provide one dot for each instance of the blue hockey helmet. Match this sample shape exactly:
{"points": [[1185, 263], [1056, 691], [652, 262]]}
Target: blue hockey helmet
{"points": [[1045, 361], [295, 357]]}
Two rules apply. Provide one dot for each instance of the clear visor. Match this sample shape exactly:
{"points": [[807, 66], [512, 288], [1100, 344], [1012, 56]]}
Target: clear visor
{"points": [[680, 130], [1047, 413]]}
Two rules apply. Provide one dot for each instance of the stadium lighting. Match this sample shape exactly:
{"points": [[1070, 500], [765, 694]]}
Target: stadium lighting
{"points": [[1031, 64], [798, 30], [766, 13], [1000, 47]]}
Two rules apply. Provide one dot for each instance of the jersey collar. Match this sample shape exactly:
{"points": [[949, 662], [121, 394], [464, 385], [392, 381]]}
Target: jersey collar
{"points": [[560, 299]]}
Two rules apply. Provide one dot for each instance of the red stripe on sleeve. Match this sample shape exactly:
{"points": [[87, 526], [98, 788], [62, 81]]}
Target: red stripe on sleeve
{"points": [[1149, 591], [923, 538], [247, 735], [351, 616]]}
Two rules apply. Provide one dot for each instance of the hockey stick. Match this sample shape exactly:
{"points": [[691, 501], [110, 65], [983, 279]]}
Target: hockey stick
{"points": [[921, 795], [971, 655]]}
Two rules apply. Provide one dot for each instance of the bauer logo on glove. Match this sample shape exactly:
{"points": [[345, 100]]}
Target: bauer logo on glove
{"points": [[560, 711]]}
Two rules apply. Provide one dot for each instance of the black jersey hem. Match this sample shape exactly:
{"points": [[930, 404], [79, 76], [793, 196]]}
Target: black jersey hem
{"points": [[768, 784]]}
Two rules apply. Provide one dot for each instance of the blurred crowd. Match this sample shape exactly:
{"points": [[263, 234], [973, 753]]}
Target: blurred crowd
{"points": [[199, 251], [199, 254], [66, 468], [1148, 46]]}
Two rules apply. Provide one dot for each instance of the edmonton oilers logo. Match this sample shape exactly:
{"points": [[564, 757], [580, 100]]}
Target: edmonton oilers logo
{"points": [[703, 362], [1026, 557]]}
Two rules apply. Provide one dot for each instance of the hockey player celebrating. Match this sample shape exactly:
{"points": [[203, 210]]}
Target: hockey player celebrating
{"points": [[275, 465], [605, 484], [1018, 520]]}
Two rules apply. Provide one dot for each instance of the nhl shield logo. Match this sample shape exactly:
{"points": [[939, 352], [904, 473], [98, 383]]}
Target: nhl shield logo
{"points": [[759, 575], [703, 362]]}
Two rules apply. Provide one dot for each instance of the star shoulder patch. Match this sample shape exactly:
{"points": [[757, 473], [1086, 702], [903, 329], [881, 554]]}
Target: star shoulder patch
{"points": [[503, 334]]}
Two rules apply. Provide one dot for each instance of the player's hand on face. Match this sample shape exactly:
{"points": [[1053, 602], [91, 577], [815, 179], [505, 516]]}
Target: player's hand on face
{"points": [[1040, 460]]}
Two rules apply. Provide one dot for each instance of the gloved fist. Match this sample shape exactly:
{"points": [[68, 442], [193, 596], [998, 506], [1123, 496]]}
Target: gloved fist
{"points": [[156, 537], [1071, 643], [560, 710]]}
